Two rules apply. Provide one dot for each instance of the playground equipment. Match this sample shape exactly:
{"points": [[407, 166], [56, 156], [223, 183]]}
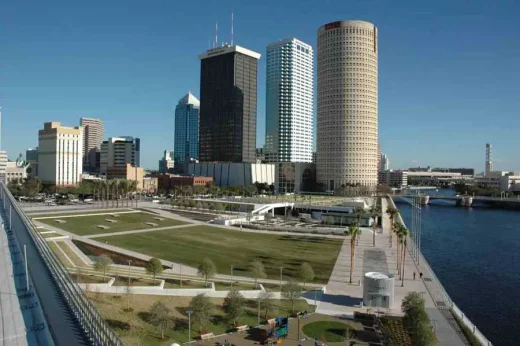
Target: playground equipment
{"points": [[277, 331]]}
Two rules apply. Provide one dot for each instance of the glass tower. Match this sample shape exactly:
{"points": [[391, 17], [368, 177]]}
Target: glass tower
{"points": [[186, 131], [289, 97]]}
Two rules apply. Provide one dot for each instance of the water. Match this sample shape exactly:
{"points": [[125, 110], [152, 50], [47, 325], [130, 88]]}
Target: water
{"points": [[475, 253]]}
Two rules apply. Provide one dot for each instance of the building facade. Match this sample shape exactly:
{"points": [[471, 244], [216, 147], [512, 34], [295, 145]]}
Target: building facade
{"points": [[3, 165], [118, 152], [397, 179], [166, 164], [127, 172], [234, 174], [186, 141], [347, 121], [294, 177], [384, 163], [228, 99], [489, 159], [31, 156], [289, 102], [60, 154], [92, 138]]}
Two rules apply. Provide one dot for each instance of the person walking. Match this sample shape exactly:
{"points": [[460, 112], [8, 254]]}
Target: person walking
{"points": [[414, 275], [420, 275]]}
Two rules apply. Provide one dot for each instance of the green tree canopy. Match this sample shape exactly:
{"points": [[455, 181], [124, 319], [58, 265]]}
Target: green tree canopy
{"points": [[258, 271], [102, 263], [160, 316], [292, 292], [154, 267], [234, 305], [202, 307], [206, 269], [306, 273]]}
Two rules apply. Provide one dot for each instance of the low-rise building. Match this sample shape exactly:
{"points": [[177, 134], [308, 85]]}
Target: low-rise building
{"points": [[150, 184], [127, 172], [503, 180], [234, 174], [166, 182], [294, 177], [15, 170], [397, 179]]}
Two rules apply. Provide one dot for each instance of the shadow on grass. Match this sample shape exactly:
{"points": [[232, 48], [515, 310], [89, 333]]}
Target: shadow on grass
{"points": [[116, 324], [145, 316]]}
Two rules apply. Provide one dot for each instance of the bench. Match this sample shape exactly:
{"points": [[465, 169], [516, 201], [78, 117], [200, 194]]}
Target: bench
{"points": [[242, 328], [207, 336]]}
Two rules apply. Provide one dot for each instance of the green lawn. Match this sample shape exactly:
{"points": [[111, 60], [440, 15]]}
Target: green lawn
{"points": [[172, 283], [331, 331], [87, 225], [79, 212], [239, 286], [71, 254], [111, 308], [123, 281], [54, 247], [227, 247]]}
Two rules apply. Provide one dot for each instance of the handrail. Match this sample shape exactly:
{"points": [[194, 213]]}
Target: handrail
{"points": [[94, 326], [454, 308]]}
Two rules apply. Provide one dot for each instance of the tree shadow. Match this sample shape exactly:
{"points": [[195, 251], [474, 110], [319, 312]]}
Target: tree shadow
{"points": [[180, 324], [145, 316], [116, 324]]}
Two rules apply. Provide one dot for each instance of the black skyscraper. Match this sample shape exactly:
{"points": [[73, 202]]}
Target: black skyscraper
{"points": [[228, 96]]}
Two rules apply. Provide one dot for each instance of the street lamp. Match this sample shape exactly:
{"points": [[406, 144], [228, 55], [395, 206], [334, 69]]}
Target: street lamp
{"points": [[231, 266], [189, 312], [281, 276]]}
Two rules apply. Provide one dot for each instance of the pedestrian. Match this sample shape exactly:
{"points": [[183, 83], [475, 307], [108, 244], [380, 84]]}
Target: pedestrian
{"points": [[414, 275], [420, 275]]}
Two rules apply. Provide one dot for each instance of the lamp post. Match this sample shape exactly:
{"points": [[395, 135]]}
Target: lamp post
{"points": [[232, 266], [189, 312], [281, 277]]}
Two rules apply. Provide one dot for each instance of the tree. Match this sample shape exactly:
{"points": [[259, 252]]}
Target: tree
{"points": [[403, 236], [258, 271], [154, 267], [160, 316], [206, 269], [102, 263], [416, 320], [234, 305], [306, 273], [350, 333], [392, 212], [201, 306], [292, 292], [267, 301], [353, 232]]}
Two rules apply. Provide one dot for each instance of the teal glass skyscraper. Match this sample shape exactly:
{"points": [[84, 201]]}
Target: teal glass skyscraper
{"points": [[186, 140]]}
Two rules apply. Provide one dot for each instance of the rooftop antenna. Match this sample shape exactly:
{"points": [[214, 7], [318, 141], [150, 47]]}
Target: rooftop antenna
{"points": [[232, 23], [216, 34]]}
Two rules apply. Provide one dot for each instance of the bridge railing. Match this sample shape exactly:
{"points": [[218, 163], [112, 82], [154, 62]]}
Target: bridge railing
{"points": [[451, 304], [94, 326]]}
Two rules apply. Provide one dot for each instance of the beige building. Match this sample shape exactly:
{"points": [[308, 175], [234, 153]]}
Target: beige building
{"points": [[347, 131], [15, 170], [118, 152], [150, 184], [60, 154], [127, 172], [92, 139]]}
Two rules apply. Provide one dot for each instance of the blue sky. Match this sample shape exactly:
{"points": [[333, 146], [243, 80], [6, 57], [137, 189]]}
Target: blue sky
{"points": [[448, 70]]}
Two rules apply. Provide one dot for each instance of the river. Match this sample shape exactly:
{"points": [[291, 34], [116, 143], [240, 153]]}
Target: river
{"points": [[475, 253]]}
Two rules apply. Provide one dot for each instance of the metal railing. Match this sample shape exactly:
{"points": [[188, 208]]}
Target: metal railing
{"points": [[94, 326], [454, 308]]}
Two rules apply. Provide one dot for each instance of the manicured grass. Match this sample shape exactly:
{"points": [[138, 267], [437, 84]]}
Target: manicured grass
{"points": [[57, 252], [227, 247], [87, 225], [123, 281], [172, 283], [79, 212], [112, 309], [71, 254], [90, 279], [331, 331]]}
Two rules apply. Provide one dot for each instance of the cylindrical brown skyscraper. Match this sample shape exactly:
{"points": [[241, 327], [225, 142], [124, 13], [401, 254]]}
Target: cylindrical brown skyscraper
{"points": [[347, 132]]}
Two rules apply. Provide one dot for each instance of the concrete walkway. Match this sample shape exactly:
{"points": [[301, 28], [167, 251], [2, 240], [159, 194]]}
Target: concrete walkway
{"points": [[343, 298]]}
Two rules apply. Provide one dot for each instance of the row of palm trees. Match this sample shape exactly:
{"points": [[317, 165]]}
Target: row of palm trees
{"points": [[111, 191]]}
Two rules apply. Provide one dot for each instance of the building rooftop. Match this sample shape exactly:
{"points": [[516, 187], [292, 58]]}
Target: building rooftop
{"points": [[189, 99], [229, 49]]}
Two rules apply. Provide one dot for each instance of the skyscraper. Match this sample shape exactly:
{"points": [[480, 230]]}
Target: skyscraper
{"points": [[118, 152], [228, 96], [347, 120], [289, 96], [92, 138], [489, 159], [60, 154], [186, 139]]}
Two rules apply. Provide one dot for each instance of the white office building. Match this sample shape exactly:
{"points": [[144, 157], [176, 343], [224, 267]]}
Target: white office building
{"points": [[289, 102], [60, 154], [118, 151], [3, 165], [347, 121], [384, 163]]}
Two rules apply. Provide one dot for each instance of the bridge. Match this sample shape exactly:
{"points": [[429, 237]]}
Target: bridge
{"points": [[464, 200], [68, 317]]}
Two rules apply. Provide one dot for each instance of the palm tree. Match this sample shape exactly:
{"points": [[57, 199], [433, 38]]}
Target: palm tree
{"points": [[392, 211], [353, 231], [116, 183], [403, 236], [132, 186], [123, 184]]}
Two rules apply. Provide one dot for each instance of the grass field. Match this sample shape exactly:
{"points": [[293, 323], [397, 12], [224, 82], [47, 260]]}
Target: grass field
{"points": [[79, 212], [87, 225], [123, 281], [331, 331], [90, 279], [71, 254], [227, 247], [171, 283], [112, 309], [239, 286], [54, 247]]}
